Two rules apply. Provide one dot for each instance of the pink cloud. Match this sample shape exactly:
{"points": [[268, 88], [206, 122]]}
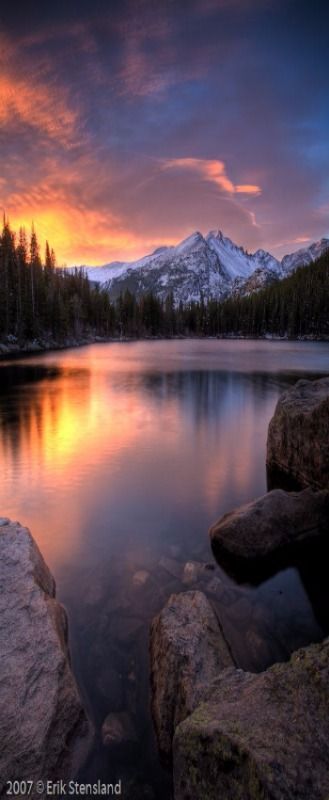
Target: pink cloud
{"points": [[213, 171]]}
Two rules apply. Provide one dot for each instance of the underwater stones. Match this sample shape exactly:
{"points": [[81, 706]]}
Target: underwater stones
{"points": [[171, 566], [118, 731], [194, 570], [140, 578]]}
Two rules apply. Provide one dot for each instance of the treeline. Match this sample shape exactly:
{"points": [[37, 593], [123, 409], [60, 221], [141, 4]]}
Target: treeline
{"points": [[40, 301], [296, 306]]}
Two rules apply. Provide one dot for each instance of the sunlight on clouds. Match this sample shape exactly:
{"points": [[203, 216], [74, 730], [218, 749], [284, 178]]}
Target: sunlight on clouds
{"points": [[79, 236], [34, 105], [213, 171]]}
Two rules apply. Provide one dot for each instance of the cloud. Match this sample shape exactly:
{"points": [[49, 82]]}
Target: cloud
{"points": [[98, 109], [301, 240], [82, 228], [37, 106], [214, 172], [32, 98]]}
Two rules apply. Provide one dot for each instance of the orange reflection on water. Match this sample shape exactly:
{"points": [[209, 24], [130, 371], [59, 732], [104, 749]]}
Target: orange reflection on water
{"points": [[109, 445], [66, 432]]}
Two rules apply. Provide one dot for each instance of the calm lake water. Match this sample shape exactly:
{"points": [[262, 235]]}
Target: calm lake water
{"points": [[119, 457]]}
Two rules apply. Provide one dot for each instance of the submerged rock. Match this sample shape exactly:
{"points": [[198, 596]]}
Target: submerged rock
{"points": [[118, 731], [171, 566], [259, 737], [271, 525], [44, 732], [141, 578], [298, 441], [188, 651], [194, 570]]}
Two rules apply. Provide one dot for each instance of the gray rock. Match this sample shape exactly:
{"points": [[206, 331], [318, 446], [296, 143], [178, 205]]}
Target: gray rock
{"points": [[188, 650], [270, 525], [259, 737], [44, 732], [118, 731], [298, 441]]}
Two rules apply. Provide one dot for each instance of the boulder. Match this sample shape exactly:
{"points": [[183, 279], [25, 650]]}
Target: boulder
{"points": [[44, 732], [259, 737], [188, 650], [272, 525], [298, 441]]}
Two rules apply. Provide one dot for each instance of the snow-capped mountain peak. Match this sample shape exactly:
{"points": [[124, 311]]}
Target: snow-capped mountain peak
{"points": [[208, 266], [304, 256]]}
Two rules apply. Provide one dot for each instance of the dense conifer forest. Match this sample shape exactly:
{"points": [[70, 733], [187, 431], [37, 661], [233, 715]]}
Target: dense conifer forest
{"points": [[40, 302]]}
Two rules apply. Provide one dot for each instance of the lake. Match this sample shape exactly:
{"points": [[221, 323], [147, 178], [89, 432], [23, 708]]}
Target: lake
{"points": [[119, 457]]}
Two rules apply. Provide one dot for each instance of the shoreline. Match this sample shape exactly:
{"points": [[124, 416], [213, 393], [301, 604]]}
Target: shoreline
{"points": [[9, 350]]}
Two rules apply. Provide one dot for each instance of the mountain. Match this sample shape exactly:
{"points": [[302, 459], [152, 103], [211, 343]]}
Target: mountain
{"points": [[305, 256], [211, 267]]}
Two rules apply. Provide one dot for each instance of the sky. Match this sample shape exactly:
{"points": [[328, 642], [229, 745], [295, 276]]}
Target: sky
{"points": [[128, 124]]}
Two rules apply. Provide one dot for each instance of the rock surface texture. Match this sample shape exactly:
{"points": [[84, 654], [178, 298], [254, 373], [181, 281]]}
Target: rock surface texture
{"points": [[270, 525], [259, 737], [44, 732], [188, 651], [298, 435]]}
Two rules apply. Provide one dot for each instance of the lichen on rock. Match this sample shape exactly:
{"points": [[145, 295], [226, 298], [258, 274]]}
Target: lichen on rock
{"points": [[259, 737]]}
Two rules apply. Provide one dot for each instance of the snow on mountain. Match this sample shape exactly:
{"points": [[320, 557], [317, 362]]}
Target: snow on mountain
{"points": [[304, 256], [236, 262], [104, 273], [188, 270], [211, 266]]}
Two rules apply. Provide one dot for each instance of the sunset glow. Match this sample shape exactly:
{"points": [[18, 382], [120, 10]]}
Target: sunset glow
{"points": [[128, 128]]}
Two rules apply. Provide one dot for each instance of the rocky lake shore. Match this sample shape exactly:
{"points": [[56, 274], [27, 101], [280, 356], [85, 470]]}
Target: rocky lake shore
{"points": [[229, 721], [251, 735]]}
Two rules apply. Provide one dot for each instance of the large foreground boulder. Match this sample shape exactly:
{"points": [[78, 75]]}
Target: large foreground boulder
{"points": [[188, 651], [259, 737], [298, 435], [44, 732], [272, 525]]}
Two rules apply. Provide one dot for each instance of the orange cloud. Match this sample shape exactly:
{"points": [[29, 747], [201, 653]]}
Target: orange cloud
{"points": [[78, 235], [247, 188], [213, 171], [36, 105], [301, 240]]}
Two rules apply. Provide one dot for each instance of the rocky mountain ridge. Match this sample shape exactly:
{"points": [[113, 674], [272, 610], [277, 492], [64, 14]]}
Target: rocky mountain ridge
{"points": [[209, 267]]}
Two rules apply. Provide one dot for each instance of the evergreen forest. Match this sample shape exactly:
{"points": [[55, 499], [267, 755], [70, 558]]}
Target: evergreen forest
{"points": [[44, 303]]}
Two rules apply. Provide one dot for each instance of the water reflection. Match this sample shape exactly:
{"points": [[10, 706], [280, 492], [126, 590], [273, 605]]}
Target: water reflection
{"points": [[119, 457]]}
